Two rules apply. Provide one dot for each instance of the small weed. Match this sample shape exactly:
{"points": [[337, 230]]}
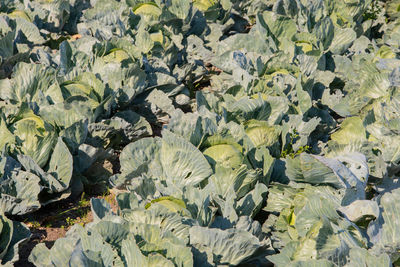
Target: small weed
{"points": [[107, 192], [373, 11], [35, 224], [83, 202], [109, 199], [289, 151], [70, 221]]}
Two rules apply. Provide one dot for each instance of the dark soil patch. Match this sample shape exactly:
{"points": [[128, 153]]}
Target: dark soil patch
{"points": [[54, 220]]}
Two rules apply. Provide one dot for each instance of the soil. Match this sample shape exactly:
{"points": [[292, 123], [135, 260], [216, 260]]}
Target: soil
{"points": [[54, 220], [39, 235]]}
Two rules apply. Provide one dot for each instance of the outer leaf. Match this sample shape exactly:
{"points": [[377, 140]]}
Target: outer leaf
{"points": [[385, 231], [226, 247], [183, 164], [61, 164]]}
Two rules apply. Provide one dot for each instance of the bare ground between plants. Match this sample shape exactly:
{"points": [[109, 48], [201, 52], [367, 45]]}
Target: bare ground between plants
{"points": [[54, 220]]}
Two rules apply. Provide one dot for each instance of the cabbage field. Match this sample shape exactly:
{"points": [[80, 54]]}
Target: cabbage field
{"points": [[240, 132]]}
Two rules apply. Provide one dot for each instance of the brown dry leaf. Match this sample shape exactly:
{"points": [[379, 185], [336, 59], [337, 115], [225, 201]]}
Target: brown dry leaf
{"points": [[76, 37]]}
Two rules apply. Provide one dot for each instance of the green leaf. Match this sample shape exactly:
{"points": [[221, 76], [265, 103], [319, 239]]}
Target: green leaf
{"points": [[351, 130], [183, 164], [224, 247], [61, 164], [180, 8], [131, 253], [342, 40], [303, 97]]}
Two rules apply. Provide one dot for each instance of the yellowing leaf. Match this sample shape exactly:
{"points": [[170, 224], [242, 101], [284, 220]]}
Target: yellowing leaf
{"points": [[171, 203], [157, 37], [30, 116], [73, 87], [204, 5], [351, 130], [292, 220], [116, 55], [385, 52], [148, 9], [305, 46], [19, 14]]}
